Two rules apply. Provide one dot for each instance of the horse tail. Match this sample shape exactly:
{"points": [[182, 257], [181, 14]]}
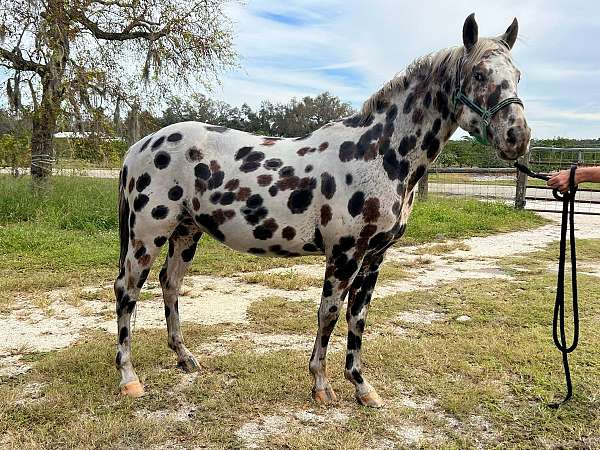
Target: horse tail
{"points": [[123, 219]]}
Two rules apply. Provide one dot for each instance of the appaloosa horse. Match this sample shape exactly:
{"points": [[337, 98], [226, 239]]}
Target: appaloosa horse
{"points": [[345, 191]]}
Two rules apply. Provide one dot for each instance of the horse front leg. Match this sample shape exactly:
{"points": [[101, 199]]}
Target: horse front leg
{"points": [[356, 316], [335, 287]]}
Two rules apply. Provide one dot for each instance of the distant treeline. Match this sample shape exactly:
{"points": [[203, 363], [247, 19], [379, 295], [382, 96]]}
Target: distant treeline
{"points": [[294, 118], [469, 153]]}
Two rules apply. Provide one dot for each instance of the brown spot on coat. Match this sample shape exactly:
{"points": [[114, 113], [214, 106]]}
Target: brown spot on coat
{"points": [[214, 166], [232, 184], [243, 194], [194, 154], [200, 185], [144, 260], [270, 224], [219, 216], [269, 141], [288, 233], [417, 116], [326, 214], [288, 183], [131, 184], [196, 203], [371, 210], [264, 180], [323, 146], [372, 152]]}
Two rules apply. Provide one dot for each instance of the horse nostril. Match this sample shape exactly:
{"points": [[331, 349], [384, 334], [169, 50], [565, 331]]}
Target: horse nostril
{"points": [[511, 136]]}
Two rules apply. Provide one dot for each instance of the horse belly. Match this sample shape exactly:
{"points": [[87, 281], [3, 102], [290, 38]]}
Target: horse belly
{"points": [[276, 233]]}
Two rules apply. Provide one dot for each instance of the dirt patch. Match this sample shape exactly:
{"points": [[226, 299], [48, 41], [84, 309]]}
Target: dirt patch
{"points": [[254, 433], [213, 300], [31, 393], [263, 343], [420, 317], [476, 427], [182, 414]]}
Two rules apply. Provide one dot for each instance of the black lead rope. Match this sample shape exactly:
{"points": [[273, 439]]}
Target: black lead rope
{"points": [[558, 322]]}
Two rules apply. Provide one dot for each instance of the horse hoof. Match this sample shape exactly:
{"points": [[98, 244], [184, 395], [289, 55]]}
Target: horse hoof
{"points": [[132, 389], [370, 399], [189, 364], [324, 396]]}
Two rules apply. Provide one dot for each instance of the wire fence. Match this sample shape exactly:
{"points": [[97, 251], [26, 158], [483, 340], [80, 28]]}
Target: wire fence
{"points": [[505, 184]]}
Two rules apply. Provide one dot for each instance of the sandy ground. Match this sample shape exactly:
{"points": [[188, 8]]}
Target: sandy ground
{"points": [[212, 300]]}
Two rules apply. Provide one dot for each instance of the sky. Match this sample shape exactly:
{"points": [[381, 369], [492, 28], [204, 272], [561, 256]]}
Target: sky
{"points": [[295, 48]]}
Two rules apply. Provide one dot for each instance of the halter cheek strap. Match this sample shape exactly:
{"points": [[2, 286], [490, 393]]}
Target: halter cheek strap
{"points": [[485, 114]]}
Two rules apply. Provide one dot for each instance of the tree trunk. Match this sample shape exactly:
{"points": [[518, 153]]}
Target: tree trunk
{"points": [[133, 125], [42, 146], [46, 115]]}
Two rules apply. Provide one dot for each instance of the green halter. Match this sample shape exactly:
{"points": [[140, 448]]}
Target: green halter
{"points": [[485, 114]]}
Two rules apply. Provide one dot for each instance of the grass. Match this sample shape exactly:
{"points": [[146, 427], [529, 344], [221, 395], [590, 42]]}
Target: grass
{"points": [[499, 367], [441, 249], [394, 270], [452, 218], [68, 235], [290, 280]]}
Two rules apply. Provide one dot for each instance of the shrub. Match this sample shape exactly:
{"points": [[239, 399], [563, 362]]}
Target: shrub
{"points": [[15, 152]]}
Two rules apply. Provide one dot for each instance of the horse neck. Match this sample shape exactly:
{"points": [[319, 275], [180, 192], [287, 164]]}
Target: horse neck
{"points": [[424, 121]]}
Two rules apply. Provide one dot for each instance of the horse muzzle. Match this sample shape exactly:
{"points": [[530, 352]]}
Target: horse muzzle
{"points": [[514, 140]]}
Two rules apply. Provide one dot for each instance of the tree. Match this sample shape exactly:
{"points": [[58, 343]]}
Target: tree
{"points": [[85, 57], [300, 117]]}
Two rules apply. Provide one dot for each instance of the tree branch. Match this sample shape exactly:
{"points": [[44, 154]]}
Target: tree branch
{"points": [[118, 36], [20, 63]]}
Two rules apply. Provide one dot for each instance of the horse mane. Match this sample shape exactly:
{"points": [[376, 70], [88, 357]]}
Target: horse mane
{"points": [[433, 66]]}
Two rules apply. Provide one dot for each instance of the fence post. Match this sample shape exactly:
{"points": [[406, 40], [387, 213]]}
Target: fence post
{"points": [[521, 184], [423, 186]]}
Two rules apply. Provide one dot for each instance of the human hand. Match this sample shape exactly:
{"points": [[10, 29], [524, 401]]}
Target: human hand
{"points": [[560, 180]]}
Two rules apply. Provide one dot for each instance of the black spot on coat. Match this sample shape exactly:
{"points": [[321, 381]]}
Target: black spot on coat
{"points": [[242, 152], [162, 160], [143, 182], [175, 193], [356, 203], [202, 171], [160, 212], [140, 201], [327, 185], [158, 142], [174, 137]]}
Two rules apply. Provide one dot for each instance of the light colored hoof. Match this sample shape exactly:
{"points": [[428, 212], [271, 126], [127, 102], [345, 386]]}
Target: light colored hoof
{"points": [[324, 396], [132, 389], [370, 399]]}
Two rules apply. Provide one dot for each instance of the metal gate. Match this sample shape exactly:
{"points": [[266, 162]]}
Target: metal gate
{"points": [[534, 195], [505, 184]]}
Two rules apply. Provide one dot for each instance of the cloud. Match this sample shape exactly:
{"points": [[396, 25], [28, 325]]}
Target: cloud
{"points": [[350, 48]]}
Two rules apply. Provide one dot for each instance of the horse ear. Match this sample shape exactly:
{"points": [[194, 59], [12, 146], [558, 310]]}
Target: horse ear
{"points": [[470, 32], [510, 35]]}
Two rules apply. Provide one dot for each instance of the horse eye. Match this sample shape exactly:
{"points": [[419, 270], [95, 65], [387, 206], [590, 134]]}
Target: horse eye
{"points": [[478, 76]]}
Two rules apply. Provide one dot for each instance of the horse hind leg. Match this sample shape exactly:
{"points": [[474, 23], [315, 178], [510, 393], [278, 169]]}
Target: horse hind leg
{"points": [[135, 267], [182, 247]]}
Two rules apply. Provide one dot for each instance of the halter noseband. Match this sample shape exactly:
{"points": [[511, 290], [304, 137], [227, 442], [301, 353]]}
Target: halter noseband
{"points": [[485, 114]]}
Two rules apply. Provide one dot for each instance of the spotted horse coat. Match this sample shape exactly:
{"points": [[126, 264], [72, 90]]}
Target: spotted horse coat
{"points": [[346, 191]]}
